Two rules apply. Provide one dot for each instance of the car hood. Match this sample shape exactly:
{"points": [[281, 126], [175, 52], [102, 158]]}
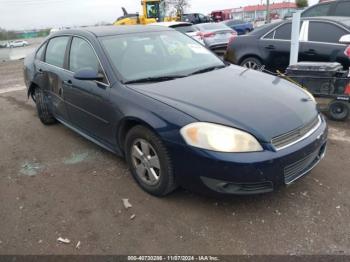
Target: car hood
{"points": [[263, 105]]}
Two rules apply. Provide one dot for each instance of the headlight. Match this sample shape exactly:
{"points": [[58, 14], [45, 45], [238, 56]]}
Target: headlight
{"points": [[219, 138]]}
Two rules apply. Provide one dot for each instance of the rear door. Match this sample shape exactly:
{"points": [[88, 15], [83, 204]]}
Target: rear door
{"points": [[275, 47], [88, 101], [52, 74], [322, 43]]}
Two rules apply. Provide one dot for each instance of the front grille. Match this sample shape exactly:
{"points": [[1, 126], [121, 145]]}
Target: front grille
{"points": [[299, 168], [289, 138]]}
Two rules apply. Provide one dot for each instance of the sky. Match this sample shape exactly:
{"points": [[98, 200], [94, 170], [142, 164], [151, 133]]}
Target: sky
{"points": [[28, 14]]}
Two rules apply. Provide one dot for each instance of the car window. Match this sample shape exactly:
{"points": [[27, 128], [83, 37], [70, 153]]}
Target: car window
{"points": [[342, 9], [270, 35], [185, 28], [317, 32], [157, 54], [318, 10], [56, 50], [283, 32], [212, 26], [82, 56], [40, 52]]}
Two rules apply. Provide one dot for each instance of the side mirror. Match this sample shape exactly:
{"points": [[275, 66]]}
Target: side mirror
{"points": [[88, 74], [345, 39]]}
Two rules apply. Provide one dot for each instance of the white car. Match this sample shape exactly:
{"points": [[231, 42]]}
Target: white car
{"points": [[183, 27], [18, 43]]}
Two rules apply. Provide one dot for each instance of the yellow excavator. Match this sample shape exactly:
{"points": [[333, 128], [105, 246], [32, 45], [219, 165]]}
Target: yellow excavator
{"points": [[153, 12]]}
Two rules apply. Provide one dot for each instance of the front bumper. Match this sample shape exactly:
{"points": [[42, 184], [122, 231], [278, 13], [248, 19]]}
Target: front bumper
{"points": [[247, 173]]}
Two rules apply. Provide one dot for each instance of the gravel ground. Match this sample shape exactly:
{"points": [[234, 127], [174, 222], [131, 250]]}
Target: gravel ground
{"points": [[54, 183]]}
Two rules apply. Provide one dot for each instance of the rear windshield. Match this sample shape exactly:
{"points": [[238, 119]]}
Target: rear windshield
{"points": [[212, 26], [342, 9], [185, 28], [234, 22]]}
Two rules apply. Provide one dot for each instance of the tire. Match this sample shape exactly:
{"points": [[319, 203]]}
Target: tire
{"points": [[247, 31], [252, 63], [338, 110], [42, 106], [163, 182]]}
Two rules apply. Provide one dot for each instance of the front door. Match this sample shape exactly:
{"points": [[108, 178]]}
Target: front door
{"points": [[88, 101], [324, 47]]}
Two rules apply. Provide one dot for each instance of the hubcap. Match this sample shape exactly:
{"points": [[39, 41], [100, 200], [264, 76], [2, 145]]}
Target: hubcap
{"points": [[251, 65], [146, 162]]}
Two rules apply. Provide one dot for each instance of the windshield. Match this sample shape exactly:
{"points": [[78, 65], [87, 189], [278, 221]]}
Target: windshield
{"points": [[157, 54]]}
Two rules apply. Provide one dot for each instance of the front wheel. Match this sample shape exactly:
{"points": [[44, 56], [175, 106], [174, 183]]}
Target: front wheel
{"points": [[149, 161], [252, 63]]}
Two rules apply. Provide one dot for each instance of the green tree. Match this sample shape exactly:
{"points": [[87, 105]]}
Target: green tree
{"points": [[302, 3]]}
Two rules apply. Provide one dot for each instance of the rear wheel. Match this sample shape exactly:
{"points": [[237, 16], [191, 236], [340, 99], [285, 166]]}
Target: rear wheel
{"points": [[42, 106], [252, 63], [149, 161], [338, 110]]}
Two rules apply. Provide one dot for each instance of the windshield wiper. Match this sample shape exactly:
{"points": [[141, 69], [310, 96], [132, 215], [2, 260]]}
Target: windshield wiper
{"points": [[207, 69], [153, 79]]}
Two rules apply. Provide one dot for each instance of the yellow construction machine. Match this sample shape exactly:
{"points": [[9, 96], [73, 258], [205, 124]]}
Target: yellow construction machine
{"points": [[153, 11]]}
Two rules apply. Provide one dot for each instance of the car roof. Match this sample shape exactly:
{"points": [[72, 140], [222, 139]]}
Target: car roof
{"points": [[100, 31], [339, 19], [170, 24]]}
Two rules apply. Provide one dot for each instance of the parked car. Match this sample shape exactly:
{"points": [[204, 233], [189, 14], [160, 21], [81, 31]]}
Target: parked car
{"points": [[269, 45], [195, 18], [240, 26], [216, 36], [183, 27], [329, 8], [180, 116], [18, 43]]}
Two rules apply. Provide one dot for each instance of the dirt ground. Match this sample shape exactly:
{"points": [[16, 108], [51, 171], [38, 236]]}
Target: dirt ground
{"points": [[54, 183]]}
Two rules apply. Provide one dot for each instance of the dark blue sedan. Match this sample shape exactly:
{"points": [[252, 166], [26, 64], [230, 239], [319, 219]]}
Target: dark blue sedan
{"points": [[240, 26], [175, 111]]}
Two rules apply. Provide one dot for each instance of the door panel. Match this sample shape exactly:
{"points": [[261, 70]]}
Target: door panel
{"points": [[52, 72], [322, 47], [88, 101], [276, 48]]}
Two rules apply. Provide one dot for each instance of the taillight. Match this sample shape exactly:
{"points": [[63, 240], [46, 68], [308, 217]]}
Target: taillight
{"points": [[205, 35], [347, 51], [347, 90], [232, 38]]}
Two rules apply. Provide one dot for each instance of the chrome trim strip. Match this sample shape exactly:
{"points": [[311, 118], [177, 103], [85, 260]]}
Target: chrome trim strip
{"points": [[301, 138]]}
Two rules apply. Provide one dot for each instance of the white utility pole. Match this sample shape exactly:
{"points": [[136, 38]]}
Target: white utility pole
{"points": [[268, 11], [294, 48]]}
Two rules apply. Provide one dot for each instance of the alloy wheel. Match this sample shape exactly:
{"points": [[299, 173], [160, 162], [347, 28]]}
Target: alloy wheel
{"points": [[146, 162], [251, 65]]}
